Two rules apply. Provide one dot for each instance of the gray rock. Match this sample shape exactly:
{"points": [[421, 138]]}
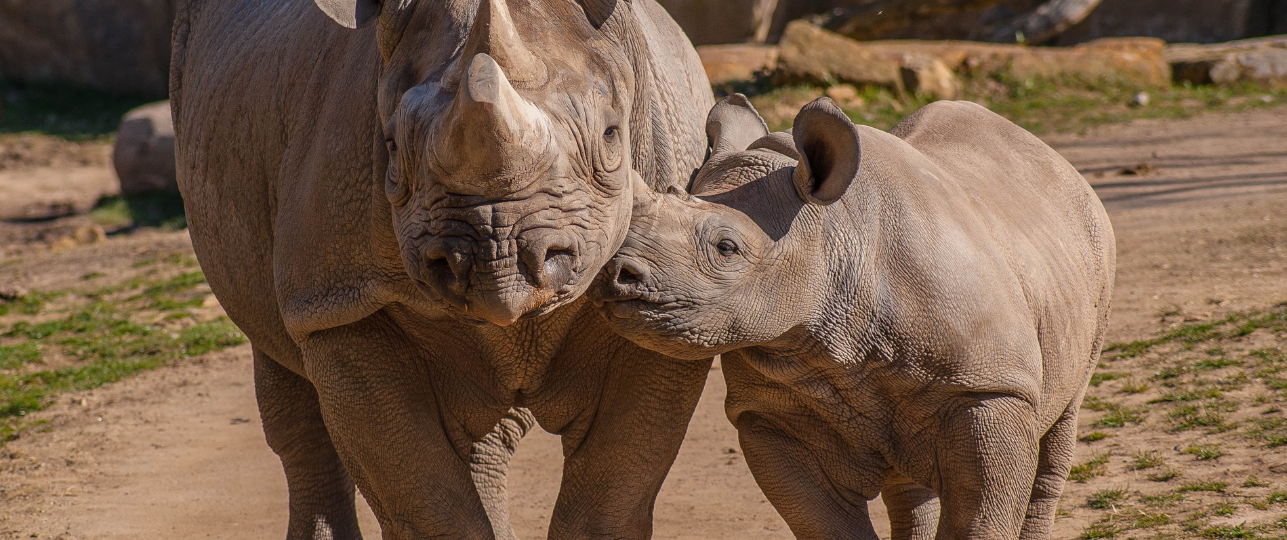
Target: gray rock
{"points": [[144, 152], [1262, 61]]}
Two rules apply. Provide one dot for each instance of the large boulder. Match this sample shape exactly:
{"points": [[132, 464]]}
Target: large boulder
{"points": [[812, 55], [739, 62], [120, 46], [1262, 61], [144, 152]]}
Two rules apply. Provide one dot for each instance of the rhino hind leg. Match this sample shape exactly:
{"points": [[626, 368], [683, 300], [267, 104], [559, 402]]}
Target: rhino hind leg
{"points": [[1053, 465], [913, 509], [489, 465], [321, 490]]}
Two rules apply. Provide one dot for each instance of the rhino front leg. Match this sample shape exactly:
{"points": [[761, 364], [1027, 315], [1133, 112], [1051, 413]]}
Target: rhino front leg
{"points": [[913, 509], [489, 463], [805, 479], [618, 451], [383, 415], [987, 460], [321, 490]]}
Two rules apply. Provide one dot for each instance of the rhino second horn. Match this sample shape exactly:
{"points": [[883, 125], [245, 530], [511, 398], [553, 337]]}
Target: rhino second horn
{"points": [[493, 33]]}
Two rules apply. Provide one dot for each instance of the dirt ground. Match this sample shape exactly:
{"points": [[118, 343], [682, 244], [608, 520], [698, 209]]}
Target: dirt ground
{"points": [[1198, 208]]}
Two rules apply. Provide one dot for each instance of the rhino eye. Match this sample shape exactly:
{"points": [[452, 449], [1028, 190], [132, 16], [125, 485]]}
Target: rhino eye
{"points": [[728, 248], [610, 154]]}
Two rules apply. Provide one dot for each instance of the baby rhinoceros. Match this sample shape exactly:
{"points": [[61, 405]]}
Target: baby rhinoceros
{"points": [[915, 313]]}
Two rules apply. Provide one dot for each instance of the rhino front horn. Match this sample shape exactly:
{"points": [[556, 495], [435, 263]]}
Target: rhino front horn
{"points": [[492, 132]]}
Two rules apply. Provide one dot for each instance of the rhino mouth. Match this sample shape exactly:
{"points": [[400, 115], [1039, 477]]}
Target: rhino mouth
{"points": [[500, 282]]}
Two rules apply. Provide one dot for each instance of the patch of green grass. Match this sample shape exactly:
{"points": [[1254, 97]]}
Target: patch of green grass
{"points": [[1269, 355], [1228, 531], [1105, 499], [1215, 363], [163, 294], [1233, 325], [1163, 500], [1094, 436], [1147, 460], [65, 111], [16, 356], [1187, 395], [1118, 416], [1191, 416], [110, 347], [92, 275], [164, 210], [1165, 475], [1204, 452], [1276, 496], [1102, 529], [1252, 482], [1224, 509], [1091, 468], [1148, 521], [1213, 486], [1038, 104], [1131, 386], [1100, 376], [31, 303]]}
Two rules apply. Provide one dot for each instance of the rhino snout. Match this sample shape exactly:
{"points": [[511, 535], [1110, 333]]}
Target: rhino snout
{"points": [[501, 281], [625, 278]]}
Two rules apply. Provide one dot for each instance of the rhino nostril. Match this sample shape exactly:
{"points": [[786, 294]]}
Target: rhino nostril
{"points": [[450, 265], [630, 274], [549, 258]]}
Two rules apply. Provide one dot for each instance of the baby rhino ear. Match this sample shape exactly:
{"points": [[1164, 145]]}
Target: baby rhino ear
{"points": [[829, 152], [733, 124]]}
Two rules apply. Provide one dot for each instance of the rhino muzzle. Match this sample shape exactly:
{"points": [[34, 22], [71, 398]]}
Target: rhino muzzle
{"points": [[502, 281]]}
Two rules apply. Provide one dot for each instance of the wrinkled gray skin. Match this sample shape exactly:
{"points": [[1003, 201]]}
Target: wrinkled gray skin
{"points": [[909, 313], [403, 217]]}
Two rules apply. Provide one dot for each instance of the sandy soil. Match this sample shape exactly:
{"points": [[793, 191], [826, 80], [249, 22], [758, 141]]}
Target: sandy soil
{"points": [[177, 452]]}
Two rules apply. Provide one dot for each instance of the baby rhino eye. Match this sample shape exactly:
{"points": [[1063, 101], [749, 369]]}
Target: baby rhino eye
{"points": [[727, 248]]}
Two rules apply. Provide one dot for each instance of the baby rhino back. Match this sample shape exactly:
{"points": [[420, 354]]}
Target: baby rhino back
{"points": [[1032, 218]]}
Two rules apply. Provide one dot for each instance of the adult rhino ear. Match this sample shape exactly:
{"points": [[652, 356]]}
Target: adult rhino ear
{"points": [[829, 152], [598, 11], [350, 13], [733, 124]]}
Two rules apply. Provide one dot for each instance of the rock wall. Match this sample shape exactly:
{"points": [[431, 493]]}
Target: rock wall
{"points": [[120, 46], [1176, 21]]}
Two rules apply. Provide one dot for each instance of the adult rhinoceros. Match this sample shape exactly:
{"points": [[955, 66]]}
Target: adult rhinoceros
{"points": [[403, 217]]}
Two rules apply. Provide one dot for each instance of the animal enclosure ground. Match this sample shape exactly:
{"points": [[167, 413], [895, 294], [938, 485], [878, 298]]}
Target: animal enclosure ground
{"points": [[1182, 437]]}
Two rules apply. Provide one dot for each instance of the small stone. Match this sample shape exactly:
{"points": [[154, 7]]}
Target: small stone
{"points": [[12, 292], [63, 243], [89, 234], [1140, 100]]}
